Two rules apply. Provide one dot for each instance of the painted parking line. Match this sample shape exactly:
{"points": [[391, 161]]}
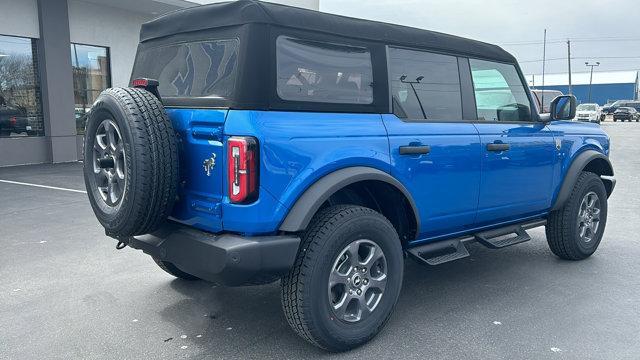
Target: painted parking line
{"points": [[41, 186]]}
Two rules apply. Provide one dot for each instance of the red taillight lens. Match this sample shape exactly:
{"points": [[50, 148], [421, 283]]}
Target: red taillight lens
{"points": [[242, 165], [13, 121]]}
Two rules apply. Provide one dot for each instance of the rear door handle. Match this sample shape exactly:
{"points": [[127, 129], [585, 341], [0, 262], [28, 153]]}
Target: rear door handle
{"points": [[498, 147], [415, 149]]}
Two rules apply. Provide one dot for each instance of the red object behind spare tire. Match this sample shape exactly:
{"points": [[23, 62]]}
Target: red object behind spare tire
{"points": [[130, 162]]}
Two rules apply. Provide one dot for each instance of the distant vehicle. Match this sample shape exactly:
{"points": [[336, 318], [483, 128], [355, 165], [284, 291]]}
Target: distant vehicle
{"points": [[545, 96], [626, 113], [13, 120], [611, 108], [588, 112]]}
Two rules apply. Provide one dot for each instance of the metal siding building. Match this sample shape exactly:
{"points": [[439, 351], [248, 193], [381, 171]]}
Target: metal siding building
{"points": [[606, 86]]}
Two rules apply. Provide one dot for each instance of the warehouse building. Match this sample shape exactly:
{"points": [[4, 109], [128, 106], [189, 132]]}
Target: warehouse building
{"points": [[606, 87], [56, 56]]}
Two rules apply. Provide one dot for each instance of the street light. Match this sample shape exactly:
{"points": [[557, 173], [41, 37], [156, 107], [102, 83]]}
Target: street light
{"points": [[591, 76]]}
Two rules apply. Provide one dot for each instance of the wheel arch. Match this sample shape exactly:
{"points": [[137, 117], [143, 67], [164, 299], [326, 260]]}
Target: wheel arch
{"points": [[312, 199], [588, 160]]}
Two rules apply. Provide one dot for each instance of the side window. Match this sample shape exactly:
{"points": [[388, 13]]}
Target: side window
{"points": [[323, 72], [500, 94], [424, 85]]}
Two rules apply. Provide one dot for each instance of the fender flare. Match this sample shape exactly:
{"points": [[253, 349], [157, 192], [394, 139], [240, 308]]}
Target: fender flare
{"points": [[307, 205], [577, 166]]}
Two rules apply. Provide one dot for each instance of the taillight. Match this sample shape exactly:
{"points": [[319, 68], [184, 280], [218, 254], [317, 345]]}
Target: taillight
{"points": [[242, 165], [13, 121]]}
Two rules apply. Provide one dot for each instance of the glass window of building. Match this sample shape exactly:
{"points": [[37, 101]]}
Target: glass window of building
{"points": [[91, 75], [20, 107]]}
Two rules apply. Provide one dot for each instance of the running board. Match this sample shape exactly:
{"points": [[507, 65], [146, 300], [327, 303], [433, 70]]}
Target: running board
{"points": [[508, 235], [440, 252]]}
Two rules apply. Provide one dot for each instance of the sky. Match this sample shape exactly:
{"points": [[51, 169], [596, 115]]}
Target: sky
{"points": [[604, 31]]}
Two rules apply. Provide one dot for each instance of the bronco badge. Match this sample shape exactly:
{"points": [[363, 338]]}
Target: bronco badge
{"points": [[209, 163]]}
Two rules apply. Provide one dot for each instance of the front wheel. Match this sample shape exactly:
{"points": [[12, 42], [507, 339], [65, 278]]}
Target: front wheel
{"points": [[575, 231], [346, 279]]}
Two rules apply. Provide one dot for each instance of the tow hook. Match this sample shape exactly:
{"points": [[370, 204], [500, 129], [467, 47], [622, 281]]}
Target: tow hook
{"points": [[123, 241]]}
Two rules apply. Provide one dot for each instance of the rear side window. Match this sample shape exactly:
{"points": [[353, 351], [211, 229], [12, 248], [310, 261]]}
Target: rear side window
{"points": [[500, 93], [323, 72], [424, 85], [192, 69]]}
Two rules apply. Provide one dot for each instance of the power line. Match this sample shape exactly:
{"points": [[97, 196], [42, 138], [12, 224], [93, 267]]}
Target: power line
{"points": [[562, 41], [581, 58]]}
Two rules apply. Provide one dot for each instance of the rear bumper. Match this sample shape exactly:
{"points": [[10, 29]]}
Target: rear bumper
{"points": [[226, 259]]}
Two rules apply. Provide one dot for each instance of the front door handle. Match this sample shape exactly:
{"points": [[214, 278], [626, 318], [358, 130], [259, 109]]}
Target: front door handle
{"points": [[415, 149], [498, 147]]}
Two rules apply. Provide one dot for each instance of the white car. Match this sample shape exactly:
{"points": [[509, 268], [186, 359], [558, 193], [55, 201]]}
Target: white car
{"points": [[588, 112]]}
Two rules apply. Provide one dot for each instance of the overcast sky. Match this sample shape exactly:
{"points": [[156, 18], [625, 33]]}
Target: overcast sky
{"points": [[511, 23]]}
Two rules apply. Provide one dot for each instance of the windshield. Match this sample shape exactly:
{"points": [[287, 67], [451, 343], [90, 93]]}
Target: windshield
{"points": [[586, 107], [191, 69]]}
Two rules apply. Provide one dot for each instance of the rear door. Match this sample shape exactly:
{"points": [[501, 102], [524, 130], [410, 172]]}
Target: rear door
{"points": [[187, 73], [518, 153], [434, 153], [200, 150]]}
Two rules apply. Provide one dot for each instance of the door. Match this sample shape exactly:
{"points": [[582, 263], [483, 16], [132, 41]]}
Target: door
{"points": [[517, 152], [433, 152]]}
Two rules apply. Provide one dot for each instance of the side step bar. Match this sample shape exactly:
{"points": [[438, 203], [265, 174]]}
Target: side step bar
{"points": [[440, 252]]}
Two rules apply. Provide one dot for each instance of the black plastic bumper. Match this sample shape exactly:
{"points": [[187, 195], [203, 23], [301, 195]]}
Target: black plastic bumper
{"points": [[224, 258]]}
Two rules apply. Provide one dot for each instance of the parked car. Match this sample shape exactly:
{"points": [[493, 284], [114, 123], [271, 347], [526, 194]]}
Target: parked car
{"points": [[545, 96], [261, 142], [588, 112], [13, 120], [626, 113], [611, 108]]}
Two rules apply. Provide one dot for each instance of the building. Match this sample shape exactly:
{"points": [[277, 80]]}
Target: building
{"points": [[607, 86], [56, 56]]}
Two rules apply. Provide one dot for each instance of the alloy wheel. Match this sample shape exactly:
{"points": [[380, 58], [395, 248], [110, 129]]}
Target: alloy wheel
{"points": [[357, 280], [109, 161], [589, 217]]}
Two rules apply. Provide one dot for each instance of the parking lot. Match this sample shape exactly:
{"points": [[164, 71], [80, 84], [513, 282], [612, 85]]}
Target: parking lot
{"points": [[66, 292]]}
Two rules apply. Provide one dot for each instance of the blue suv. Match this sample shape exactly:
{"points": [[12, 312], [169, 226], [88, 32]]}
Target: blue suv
{"points": [[261, 142]]}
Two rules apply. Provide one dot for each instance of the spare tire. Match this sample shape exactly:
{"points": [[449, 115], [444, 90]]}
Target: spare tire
{"points": [[130, 161]]}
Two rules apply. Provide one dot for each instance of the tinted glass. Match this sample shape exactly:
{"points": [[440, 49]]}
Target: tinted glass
{"points": [[586, 107], [323, 72], [500, 93], [194, 69], [90, 76], [20, 108], [432, 77]]}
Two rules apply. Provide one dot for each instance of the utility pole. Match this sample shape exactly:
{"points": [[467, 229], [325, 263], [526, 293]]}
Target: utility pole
{"points": [[569, 63], [591, 76], [544, 61]]}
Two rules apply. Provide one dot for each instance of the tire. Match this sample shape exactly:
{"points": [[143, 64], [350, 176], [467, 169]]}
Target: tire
{"points": [[564, 225], [173, 270], [129, 131], [307, 297]]}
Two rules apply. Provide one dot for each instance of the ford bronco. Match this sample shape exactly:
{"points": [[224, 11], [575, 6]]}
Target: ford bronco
{"points": [[261, 142]]}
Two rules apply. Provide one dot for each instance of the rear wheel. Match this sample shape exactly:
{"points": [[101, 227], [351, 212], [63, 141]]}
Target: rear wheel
{"points": [[575, 231], [173, 270], [346, 279]]}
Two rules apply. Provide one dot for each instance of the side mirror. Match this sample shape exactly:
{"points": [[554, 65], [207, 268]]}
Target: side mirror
{"points": [[563, 107]]}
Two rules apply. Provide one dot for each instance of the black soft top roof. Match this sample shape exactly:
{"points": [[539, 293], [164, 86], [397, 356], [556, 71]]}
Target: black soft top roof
{"points": [[226, 14]]}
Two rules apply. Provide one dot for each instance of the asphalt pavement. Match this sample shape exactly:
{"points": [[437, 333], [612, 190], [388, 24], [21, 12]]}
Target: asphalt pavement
{"points": [[67, 293]]}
